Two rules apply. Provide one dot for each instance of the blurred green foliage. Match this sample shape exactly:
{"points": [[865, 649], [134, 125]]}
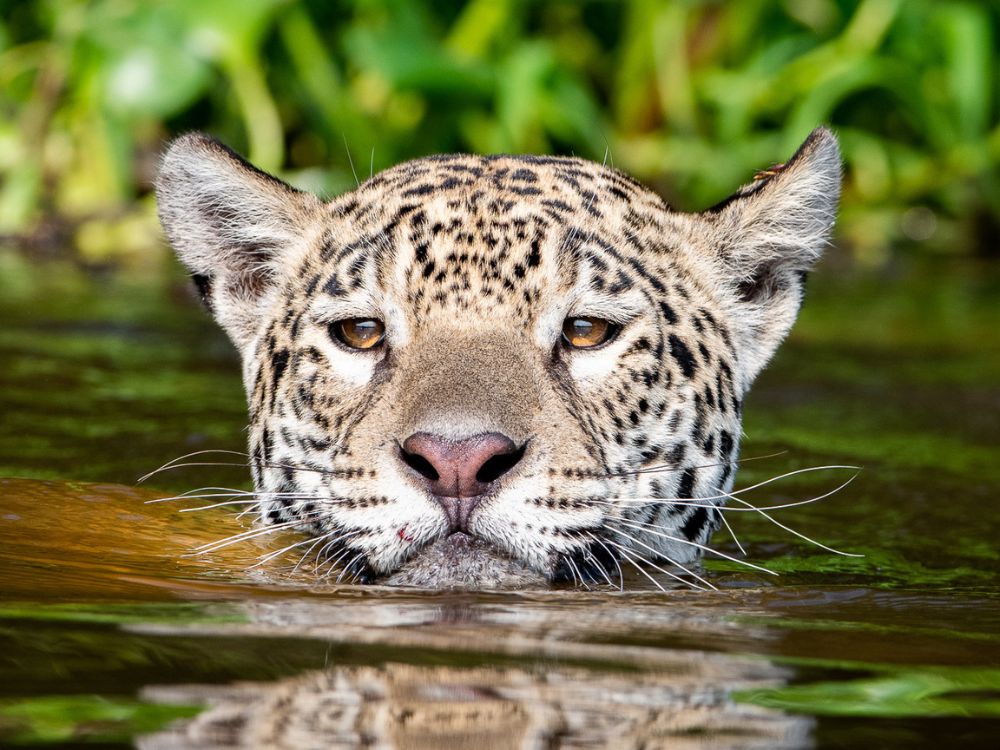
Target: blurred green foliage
{"points": [[690, 96], [83, 719]]}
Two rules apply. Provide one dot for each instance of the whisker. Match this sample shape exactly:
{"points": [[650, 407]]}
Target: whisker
{"points": [[249, 509], [647, 528], [347, 567], [614, 558], [305, 554], [729, 528], [642, 570], [197, 494], [657, 552], [594, 561], [226, 490], [186, 456], [181, 462], [577, 573], [646, 561], [264, 559], [660, 468], [219, 505], [569, 564], [244, 536], [290, 467], [699, 502], [253, 498], [301, 497], [797, 533], [333, 563], [270, 556], [797, 503], [319, 557], [190, 464]]}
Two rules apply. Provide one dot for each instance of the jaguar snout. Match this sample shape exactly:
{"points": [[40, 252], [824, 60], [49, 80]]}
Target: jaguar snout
{"points": [[459, 473]]}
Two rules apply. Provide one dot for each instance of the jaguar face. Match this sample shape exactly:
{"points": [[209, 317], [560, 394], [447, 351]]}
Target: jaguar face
{"points": [[493, 371]]}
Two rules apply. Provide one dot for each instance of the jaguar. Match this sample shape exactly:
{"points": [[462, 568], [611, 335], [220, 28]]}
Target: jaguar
{"points": [[496, 371]]}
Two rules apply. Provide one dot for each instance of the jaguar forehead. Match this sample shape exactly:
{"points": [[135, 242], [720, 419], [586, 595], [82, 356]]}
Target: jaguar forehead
{"points": [[469, 244]]}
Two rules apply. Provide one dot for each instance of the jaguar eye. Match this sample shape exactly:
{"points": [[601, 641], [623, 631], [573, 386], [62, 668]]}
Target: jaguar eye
{"points": [[359, 333], [586, 333]]}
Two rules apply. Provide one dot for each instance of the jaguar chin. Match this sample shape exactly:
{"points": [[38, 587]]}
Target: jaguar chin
{"points": [[496, 371]]}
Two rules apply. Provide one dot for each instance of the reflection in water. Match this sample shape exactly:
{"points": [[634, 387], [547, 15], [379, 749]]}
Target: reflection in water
{"points": [[521, 674], [405, 706]]}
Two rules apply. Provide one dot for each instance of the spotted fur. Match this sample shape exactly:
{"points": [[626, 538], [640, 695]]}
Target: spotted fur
{"points": [[474, 262]]}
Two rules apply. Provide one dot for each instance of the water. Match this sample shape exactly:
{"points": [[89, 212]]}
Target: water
{"points": [[113, 634]]}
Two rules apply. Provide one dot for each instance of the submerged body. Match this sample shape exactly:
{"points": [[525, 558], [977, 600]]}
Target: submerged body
{"points": [[496, 371]]}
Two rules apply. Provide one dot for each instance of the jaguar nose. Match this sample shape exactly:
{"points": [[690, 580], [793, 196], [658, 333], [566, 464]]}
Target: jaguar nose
{"points": [[459, 472]]}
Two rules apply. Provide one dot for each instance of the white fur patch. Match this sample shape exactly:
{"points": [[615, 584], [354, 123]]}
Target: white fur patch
{"points": [[589, 365]]}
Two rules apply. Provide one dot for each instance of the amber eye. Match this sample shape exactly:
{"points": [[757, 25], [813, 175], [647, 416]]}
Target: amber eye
{"points": [[586, 333], [359, 333]]}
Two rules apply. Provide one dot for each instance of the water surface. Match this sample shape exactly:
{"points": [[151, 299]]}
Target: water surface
{"points": [[113, 633]]}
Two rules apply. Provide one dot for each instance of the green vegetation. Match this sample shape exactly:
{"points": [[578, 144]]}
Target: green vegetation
{"points": [[692, 97], [888, 692], [82, 718]]}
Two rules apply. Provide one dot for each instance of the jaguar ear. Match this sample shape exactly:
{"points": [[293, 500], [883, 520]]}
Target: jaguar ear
{"points": [[231, 226], [768, 236]]}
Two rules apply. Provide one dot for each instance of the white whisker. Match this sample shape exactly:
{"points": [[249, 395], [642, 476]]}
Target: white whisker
{"points": [[600, 567], [305, 554], [577, 572], [657, 552], [797, 533], [647, 528], [270, 556], [219, 505], [700, 502], [621, 575], [347, 566], [244, 536], [186, 456], [624, 550], [196, 494], [660, 468], [725, 521], [333, 563], [628, 558], [250, 509]]}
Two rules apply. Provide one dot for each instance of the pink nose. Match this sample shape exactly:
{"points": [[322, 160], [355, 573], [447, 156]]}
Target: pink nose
{"points": [[457, 473]]}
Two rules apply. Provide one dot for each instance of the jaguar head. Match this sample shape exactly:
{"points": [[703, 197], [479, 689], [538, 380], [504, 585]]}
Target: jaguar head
{"points": [[489, 371]]}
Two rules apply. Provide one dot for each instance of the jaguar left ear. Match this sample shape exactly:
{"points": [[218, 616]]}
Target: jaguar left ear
{"points": [[231, 225], [766, 238]]}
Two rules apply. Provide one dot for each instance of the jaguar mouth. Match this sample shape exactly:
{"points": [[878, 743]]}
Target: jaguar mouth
{"points": [[463, 561]]}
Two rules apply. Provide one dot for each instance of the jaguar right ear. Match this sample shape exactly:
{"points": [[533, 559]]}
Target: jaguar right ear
{"points": [[767, 236], [231, 226]]}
